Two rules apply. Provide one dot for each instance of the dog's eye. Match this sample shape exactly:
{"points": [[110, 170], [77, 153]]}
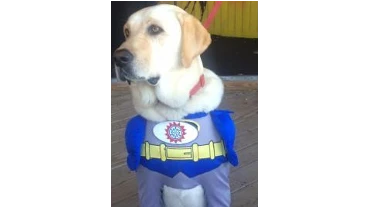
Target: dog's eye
{"points": [[127, 32], [154, 30]]}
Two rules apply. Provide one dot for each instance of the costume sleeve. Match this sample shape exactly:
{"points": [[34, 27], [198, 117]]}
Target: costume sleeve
{"points": [[134, 135], [225, 126]]}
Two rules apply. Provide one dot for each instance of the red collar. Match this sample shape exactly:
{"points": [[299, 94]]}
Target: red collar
{"points": [[197, 86]]}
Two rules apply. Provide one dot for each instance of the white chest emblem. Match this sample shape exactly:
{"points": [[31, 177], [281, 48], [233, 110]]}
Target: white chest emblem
{"points": [[176, 132]]}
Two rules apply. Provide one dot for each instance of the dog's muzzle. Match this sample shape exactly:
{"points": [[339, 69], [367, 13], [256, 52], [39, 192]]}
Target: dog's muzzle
{"points": [[123, 60]]}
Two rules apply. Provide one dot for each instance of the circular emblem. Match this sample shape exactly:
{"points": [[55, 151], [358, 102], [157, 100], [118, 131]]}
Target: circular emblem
{"points": [[175, 132]]}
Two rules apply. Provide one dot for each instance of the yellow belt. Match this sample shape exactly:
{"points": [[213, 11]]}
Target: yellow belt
{"points": [[195, 152]]}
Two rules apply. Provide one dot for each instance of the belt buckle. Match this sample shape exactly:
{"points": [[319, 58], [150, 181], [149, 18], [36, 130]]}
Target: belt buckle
{"points": [[179, 153]]}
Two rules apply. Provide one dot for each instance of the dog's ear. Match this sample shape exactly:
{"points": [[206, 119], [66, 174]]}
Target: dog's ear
{"points": [[195, 38]]}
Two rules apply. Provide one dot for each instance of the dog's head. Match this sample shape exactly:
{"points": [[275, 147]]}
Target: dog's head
{"points": [[159, 39]]}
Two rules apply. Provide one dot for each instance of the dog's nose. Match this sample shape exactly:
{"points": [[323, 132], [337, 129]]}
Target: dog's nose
{"points": [[123, 57]]}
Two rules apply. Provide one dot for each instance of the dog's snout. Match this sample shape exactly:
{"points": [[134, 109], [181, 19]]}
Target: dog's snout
{"points": [[123, 57]]}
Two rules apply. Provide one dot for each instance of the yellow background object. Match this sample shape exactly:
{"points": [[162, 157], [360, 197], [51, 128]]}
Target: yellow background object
{"points": [[233, 19]]}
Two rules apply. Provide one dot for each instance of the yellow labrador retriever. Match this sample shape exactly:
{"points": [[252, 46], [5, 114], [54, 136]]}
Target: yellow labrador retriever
{"points": [[179, 158]]}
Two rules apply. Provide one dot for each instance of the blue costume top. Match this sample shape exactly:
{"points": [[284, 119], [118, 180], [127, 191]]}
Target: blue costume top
{"points": [[139, 131]]}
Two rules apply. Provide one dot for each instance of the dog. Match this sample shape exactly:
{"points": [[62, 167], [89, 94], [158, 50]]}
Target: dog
{"points": [[179, 144]]}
